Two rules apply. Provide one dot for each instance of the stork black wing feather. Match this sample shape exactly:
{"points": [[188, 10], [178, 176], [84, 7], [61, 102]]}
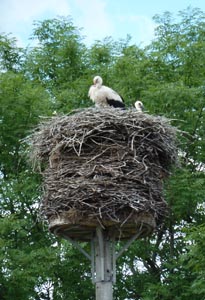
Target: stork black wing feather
{"points": [[115, 103]]}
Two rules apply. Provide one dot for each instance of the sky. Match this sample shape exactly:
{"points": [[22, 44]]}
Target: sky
{"points": [[97, 18]]}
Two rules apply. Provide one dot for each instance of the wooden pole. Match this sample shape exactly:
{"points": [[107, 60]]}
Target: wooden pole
{"points": [[103, 259], [103, 256]]}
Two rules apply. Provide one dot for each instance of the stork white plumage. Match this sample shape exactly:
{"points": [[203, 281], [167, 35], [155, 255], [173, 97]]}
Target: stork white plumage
{"points": [[104, 96], [139, 106]]}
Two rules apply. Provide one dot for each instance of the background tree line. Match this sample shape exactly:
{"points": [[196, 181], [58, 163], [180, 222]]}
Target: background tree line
{"points": [[168, 75]]}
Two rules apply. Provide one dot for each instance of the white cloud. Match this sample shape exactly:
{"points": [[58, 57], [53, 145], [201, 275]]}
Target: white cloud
{"points": [[94, 16], [141, 27], [94, 19], [17, 16], [24, 10], [145, 27]]}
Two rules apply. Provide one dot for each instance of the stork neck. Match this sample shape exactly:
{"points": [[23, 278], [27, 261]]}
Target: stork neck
{"points": [[98, 85]]}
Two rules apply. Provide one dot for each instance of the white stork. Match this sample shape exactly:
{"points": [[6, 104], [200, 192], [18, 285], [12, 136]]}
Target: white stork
{"points": [[104, 96], [139, 106]]}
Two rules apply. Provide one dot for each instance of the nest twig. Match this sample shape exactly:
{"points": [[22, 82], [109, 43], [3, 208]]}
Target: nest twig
{"points": [[104, 164]]}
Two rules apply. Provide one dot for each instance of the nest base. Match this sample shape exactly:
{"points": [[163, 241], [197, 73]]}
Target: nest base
{"points": [[85, 230]]}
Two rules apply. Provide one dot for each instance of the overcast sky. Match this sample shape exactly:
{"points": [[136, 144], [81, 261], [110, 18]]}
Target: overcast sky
{"points": [[98, 18]]}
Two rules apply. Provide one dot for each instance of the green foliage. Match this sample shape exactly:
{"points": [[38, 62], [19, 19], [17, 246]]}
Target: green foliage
{"points": [[55, 75], [22, 102], [58, 62], [130, 71], [10, 55], [59, 53], [194, 261]]}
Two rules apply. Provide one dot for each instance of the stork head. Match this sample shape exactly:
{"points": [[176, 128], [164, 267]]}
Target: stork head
{"points": [[97, 80], [139, 106]]}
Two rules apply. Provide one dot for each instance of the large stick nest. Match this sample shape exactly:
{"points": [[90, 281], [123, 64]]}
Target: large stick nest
{"points": [[104, 165]]}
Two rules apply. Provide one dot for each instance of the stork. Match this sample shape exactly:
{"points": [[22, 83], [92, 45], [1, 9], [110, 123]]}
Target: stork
{"points": [[139, 106], [104, 96]]}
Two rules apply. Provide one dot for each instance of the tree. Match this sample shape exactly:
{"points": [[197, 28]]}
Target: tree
{"points": [[58, 62], [10, 55], [21, 103], [179, 95], [168, 76]]}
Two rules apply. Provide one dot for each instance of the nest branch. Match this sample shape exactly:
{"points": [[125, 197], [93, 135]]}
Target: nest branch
{"points": [[104, 164]]}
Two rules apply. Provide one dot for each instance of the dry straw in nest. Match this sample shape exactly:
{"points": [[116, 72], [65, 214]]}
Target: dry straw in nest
{"points": [[104, 165]]}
